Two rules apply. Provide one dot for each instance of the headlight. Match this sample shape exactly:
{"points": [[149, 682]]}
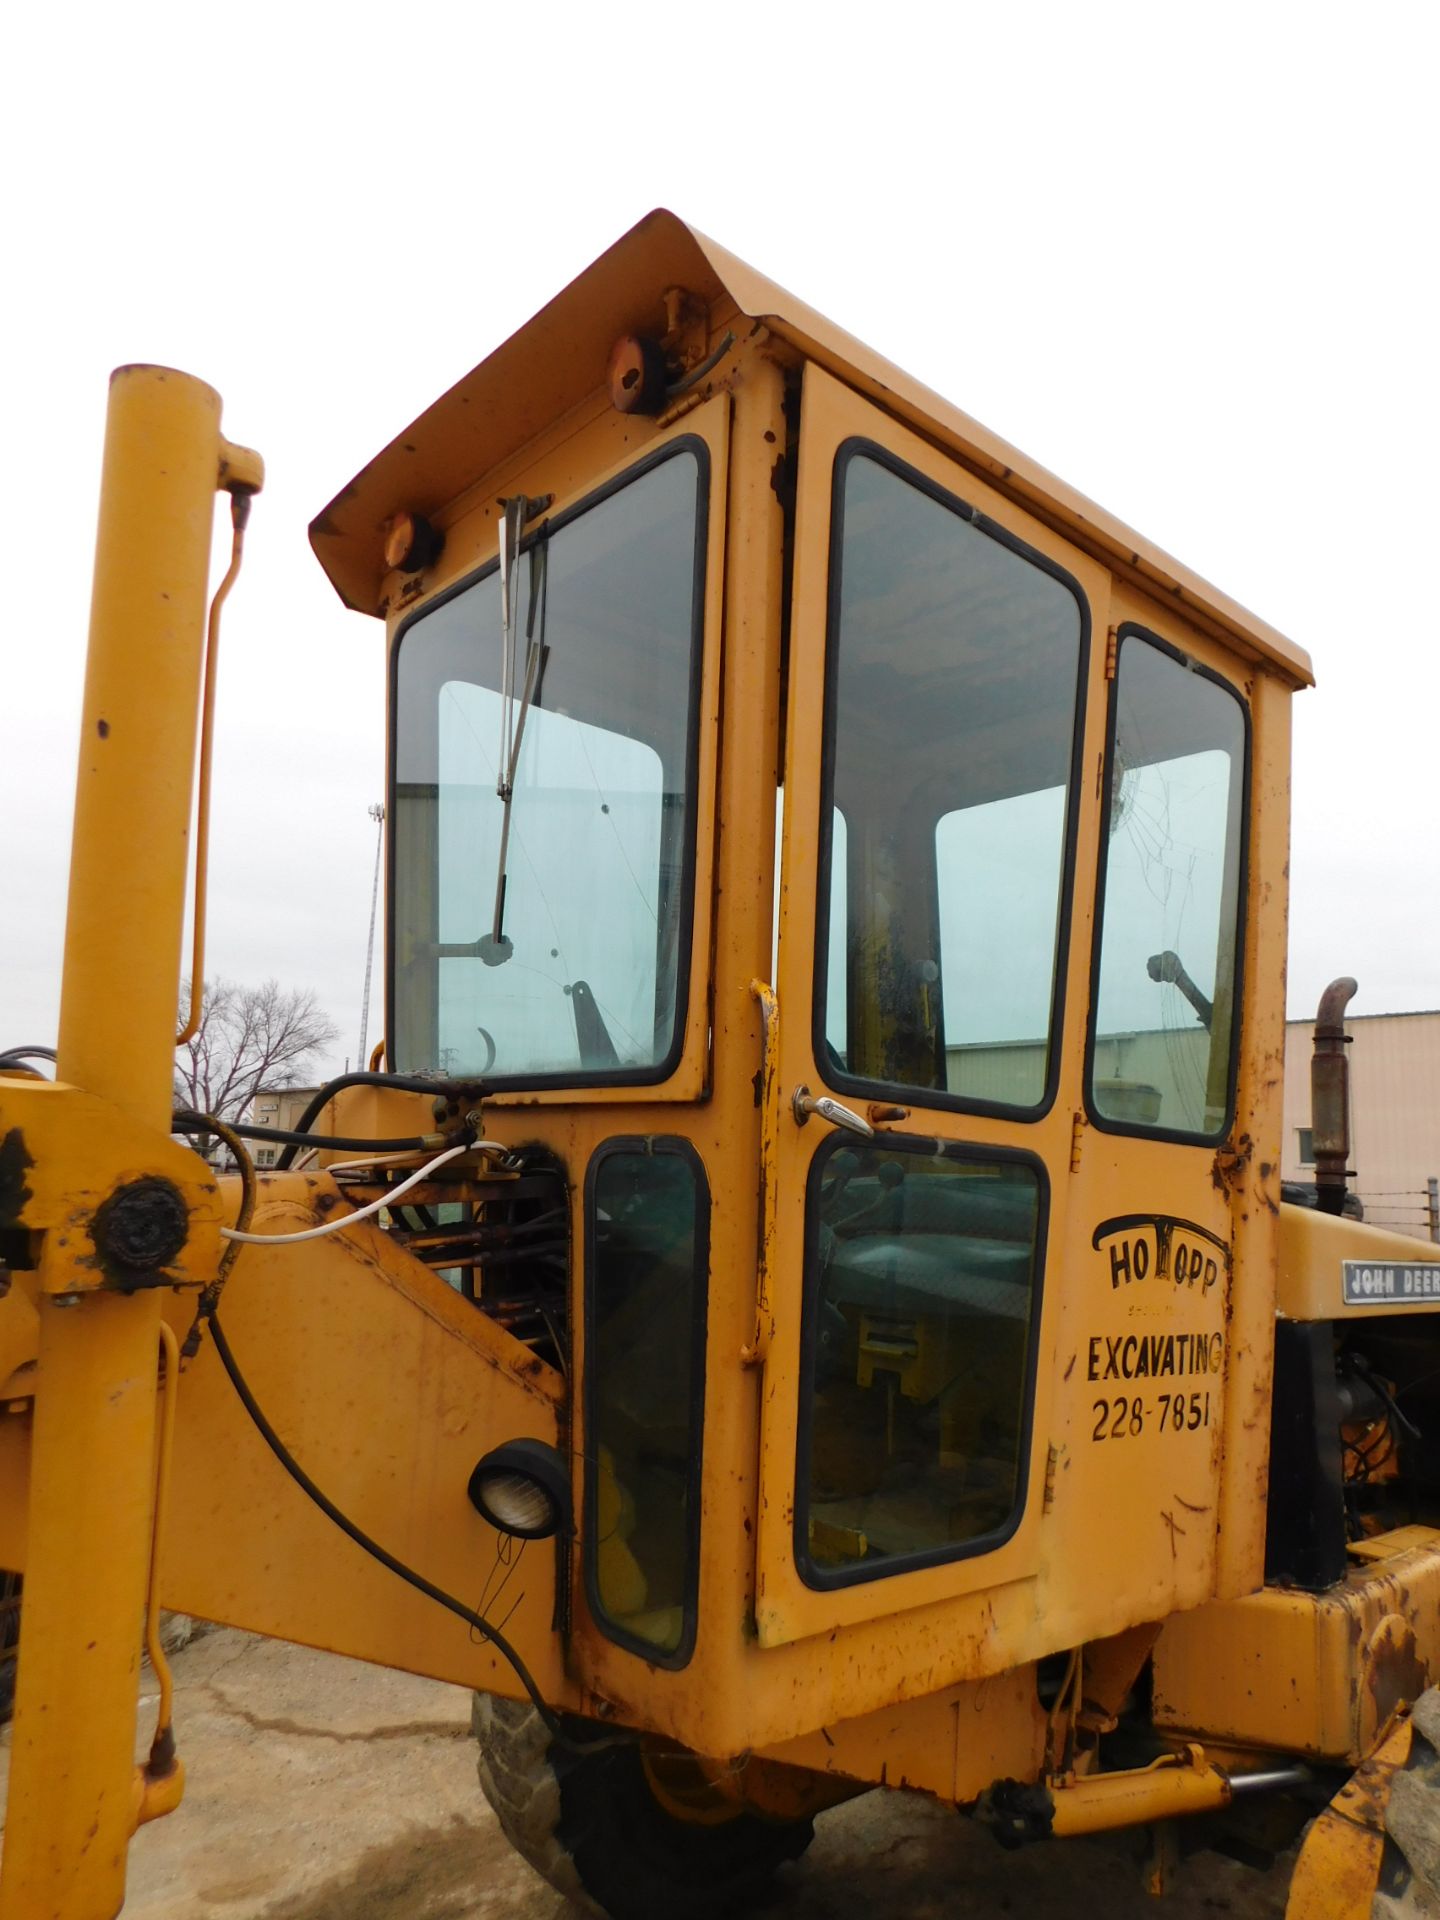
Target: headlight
{"points": [[522, 1488]]}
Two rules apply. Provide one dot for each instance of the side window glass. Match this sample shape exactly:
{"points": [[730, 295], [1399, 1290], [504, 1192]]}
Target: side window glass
{"points": [[835, 985], [954, 662], [922, 1302], [649, 1220], [1166, 979], [998, 873]]}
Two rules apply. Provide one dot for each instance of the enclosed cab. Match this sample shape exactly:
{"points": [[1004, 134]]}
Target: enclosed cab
{"points": [[836, 897], [845, 857]]}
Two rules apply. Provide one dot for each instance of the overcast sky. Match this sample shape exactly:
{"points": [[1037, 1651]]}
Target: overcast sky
{"points": [[1184, 255]]}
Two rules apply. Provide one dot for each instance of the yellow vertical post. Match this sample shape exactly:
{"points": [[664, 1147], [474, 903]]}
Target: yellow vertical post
{"points": [[71, 1806]]}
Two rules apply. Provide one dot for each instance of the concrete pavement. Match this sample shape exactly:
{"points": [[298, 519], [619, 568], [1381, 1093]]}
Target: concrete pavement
{"points": [[321, 1789]]}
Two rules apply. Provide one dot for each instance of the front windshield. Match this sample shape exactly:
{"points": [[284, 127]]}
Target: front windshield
{"points": [[586, 979]]}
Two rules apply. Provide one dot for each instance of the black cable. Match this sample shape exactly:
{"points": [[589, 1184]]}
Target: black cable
{"points": [[399, 1082], [187, 1122], [347, 1526], [210, 1294], [16, 1056]]}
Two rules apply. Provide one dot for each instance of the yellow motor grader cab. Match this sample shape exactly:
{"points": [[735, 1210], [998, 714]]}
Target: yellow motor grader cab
{"points": [[802, 1299]]}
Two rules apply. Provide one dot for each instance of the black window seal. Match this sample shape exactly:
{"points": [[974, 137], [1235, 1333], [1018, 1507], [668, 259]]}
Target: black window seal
{"points": [[825, 1580], [940, 1099], [1133, 630], [679, 1148], [666, 1068]]}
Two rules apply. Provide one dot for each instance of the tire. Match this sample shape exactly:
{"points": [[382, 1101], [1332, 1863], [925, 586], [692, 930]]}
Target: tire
{"points": [[591, 1826], [1409, 1886], [9, 1641]]}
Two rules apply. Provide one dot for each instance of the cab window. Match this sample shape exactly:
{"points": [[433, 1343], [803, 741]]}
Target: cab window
{"points": [[954, 666], [922, 1301], [1166, 985]]}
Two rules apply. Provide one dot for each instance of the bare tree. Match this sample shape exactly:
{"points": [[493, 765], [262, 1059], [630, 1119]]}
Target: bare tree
{"points": [[248, 1038]]}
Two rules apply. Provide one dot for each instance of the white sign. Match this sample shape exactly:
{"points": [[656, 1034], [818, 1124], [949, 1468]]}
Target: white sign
{"points": [[1387, 1283]]}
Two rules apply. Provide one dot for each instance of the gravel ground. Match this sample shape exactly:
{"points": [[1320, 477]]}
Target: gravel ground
{"points": [[322, 1789]]}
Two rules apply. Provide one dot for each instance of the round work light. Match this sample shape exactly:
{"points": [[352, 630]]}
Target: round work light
{"points": [[522, 1487]]}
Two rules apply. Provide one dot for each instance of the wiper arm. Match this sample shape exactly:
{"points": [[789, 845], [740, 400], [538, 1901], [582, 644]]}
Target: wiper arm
{"points": [[495, 948]]}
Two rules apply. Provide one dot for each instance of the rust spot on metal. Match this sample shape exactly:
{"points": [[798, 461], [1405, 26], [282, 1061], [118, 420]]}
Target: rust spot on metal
{"points": [[1232, 1159], [637, 375], [139, 1229], [1394, 1671], [1051, 1463], [102, 727], [14, 1161]]}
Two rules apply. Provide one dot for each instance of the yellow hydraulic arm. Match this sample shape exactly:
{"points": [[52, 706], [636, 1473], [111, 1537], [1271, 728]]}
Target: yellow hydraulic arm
{"points": [[118, 1210]]}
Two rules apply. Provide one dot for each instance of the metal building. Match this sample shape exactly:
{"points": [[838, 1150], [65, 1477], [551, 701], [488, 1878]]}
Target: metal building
{"points": [[1394, 1115]]}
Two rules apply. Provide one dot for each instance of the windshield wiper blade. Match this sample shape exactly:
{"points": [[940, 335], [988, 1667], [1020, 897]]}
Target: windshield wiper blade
{"points": [[495, 948]]}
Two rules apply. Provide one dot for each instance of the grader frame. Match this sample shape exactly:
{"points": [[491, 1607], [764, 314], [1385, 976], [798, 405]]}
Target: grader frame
{"points": [[1038, 1569]]}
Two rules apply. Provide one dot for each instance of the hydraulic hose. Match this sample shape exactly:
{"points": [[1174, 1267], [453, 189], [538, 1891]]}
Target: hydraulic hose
{"points": [[301, 1136], [187, 1122], [17, 1056]]}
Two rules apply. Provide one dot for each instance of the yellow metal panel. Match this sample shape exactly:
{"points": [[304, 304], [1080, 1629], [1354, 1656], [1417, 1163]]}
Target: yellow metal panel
{"points": [[1307, 1673], [19, 1339], [1249, 1168], [552, 366], [387, 1387], [954, 1743], [1312, 1248], [1338, 1869], [83, 1148]]}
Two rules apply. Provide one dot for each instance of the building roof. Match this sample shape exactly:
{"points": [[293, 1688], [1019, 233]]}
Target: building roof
{"points": [[1413, 1013]]}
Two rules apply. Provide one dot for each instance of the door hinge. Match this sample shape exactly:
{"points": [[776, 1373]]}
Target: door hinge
{"points": [[1077, 1135], [1112, 652]]}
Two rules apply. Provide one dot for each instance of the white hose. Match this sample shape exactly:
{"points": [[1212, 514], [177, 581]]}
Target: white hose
{"points": [[387, 1199]]}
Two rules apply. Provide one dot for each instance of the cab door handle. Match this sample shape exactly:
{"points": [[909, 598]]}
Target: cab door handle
{"points": [[804, 1103]]}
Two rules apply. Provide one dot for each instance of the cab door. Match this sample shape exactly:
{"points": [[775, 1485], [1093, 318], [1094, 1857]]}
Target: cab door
{"points": [[923, 1076], [1151, 1338]]}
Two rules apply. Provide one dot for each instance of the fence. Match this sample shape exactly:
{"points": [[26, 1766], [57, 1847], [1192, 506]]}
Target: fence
{"points": [[1412, 1210]]}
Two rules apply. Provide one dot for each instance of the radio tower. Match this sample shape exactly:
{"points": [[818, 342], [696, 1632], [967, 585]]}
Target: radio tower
{"points": [[377, 814]]}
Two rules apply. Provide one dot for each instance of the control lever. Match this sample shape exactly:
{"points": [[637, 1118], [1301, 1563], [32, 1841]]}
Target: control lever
{"points": [[805, 1103]]}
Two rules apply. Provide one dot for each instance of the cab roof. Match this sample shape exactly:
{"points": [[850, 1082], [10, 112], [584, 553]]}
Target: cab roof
{"points": [[558, 359]]}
